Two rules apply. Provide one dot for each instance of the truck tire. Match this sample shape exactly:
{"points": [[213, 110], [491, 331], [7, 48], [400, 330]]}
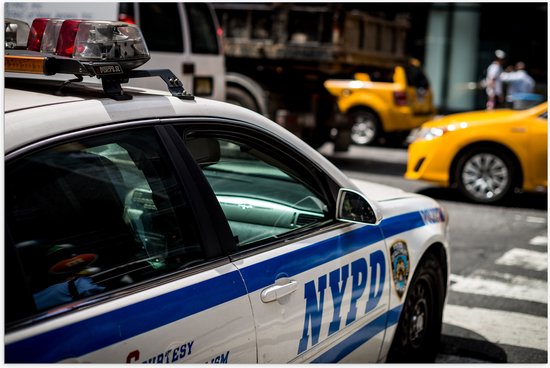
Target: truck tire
{"points": [[365, 127], [239, 97]]}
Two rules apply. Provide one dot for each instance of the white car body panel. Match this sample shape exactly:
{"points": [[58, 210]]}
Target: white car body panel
{"points": [[287, 317], [151, 346]]}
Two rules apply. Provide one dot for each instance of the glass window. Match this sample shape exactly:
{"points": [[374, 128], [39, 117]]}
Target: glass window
{"points": [[416, 78], [261, 25], [204, 39], [235, 23], [97, 215], [161, 26], [262, 198], [304, 26]]}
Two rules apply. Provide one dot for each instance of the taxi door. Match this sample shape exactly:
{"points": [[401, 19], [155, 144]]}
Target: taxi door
{"points": [[538, 147]]}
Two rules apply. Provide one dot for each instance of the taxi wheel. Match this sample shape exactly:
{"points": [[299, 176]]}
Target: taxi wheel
{"points": [[417, 336], [485, 176], [365, 128]]}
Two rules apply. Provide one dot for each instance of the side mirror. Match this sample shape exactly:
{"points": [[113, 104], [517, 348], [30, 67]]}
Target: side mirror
{"points": [[352, 206]]}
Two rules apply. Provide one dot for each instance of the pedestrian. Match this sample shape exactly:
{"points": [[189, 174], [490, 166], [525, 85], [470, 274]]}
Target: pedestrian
{"points": [[493, 82], [517, 81]]}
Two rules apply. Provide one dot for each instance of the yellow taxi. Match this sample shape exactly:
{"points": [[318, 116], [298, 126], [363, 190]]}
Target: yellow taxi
{"points": [[384, 101], [485, 154]]}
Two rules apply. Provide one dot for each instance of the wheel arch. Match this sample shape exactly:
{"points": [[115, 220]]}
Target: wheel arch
{"points": [[440, 252], [367, 108], [398, 352], [517, 181], [249, 86]]}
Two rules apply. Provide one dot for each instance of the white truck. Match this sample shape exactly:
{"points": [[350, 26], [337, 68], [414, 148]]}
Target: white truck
{"points": [[192, 51]]}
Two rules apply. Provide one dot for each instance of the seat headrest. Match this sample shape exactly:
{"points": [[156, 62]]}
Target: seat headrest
{"points": [[205, 151]]}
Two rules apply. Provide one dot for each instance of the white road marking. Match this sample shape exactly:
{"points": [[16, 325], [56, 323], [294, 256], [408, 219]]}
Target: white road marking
{"points": [[525, 258], [500, 327], [501, 285], [535, 220], [539, 241], [444, 358]]}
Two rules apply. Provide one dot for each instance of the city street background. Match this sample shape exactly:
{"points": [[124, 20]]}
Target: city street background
{"points": [[497, 308]]}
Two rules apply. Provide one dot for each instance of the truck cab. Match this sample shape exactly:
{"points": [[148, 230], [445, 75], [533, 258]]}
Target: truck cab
{"points": [[183, 37]]}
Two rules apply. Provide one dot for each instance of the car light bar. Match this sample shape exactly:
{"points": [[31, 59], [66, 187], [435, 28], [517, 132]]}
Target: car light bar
{"points": [[89, 40], [104, 49], [26, 64], [15, 33]]}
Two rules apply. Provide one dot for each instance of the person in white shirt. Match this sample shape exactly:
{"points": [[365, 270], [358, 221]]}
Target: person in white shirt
{"points": [[494, 88], [517, 81]]}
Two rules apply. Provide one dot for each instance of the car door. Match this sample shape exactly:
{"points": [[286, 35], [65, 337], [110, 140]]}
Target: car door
{"points": [[113, 256], [319, 289], [538, 147]]}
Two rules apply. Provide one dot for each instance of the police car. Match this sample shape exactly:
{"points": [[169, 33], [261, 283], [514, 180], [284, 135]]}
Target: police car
{"points": [[155, 227]]}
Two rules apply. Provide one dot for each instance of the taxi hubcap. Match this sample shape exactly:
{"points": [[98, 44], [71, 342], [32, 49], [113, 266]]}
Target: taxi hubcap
{"points": [[485, 176], [363, 131]]}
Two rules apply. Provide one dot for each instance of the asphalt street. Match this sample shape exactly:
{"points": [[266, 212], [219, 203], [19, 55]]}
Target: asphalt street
{"points": [[497, 305]]}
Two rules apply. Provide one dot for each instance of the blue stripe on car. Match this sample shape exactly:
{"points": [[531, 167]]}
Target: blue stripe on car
{"points": [[107, 329], [360, 337]]}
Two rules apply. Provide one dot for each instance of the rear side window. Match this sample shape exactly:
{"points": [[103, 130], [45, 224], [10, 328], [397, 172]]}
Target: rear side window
{"points": [[204, 39], [161, 26], [93, 216], [416, 77]]}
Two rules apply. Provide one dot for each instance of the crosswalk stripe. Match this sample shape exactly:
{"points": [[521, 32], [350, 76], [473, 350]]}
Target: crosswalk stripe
{"points": [[529, 259], [445, 358], [536, 220], [501, 285], [500, 327], [539, 241]]}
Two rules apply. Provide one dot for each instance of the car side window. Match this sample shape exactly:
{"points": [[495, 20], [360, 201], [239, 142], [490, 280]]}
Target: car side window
{"points": [[96, 215], [262, 198], [202, 29], [161, 26]]}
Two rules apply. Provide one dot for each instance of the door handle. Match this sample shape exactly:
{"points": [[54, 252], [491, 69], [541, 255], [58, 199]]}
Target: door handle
{"points": [[277, 291]]}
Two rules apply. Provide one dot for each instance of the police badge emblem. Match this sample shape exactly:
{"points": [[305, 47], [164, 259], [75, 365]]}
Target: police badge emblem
{"points": [[400, 266]]}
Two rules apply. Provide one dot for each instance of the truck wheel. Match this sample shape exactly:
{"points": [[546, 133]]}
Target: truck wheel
{"points": [[418, 333], [237, 96], [484, 175], [365, 128]]}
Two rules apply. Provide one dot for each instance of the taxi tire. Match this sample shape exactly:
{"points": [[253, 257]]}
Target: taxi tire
{"points": [[424, 305], [498, 153], [361, 120]]}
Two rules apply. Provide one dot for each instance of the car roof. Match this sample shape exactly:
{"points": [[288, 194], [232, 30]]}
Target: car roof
{"points": [[38, 109]]}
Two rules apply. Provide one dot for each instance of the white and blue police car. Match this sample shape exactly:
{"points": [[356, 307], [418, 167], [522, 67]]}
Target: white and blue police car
{"points": [[154, 227]]}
